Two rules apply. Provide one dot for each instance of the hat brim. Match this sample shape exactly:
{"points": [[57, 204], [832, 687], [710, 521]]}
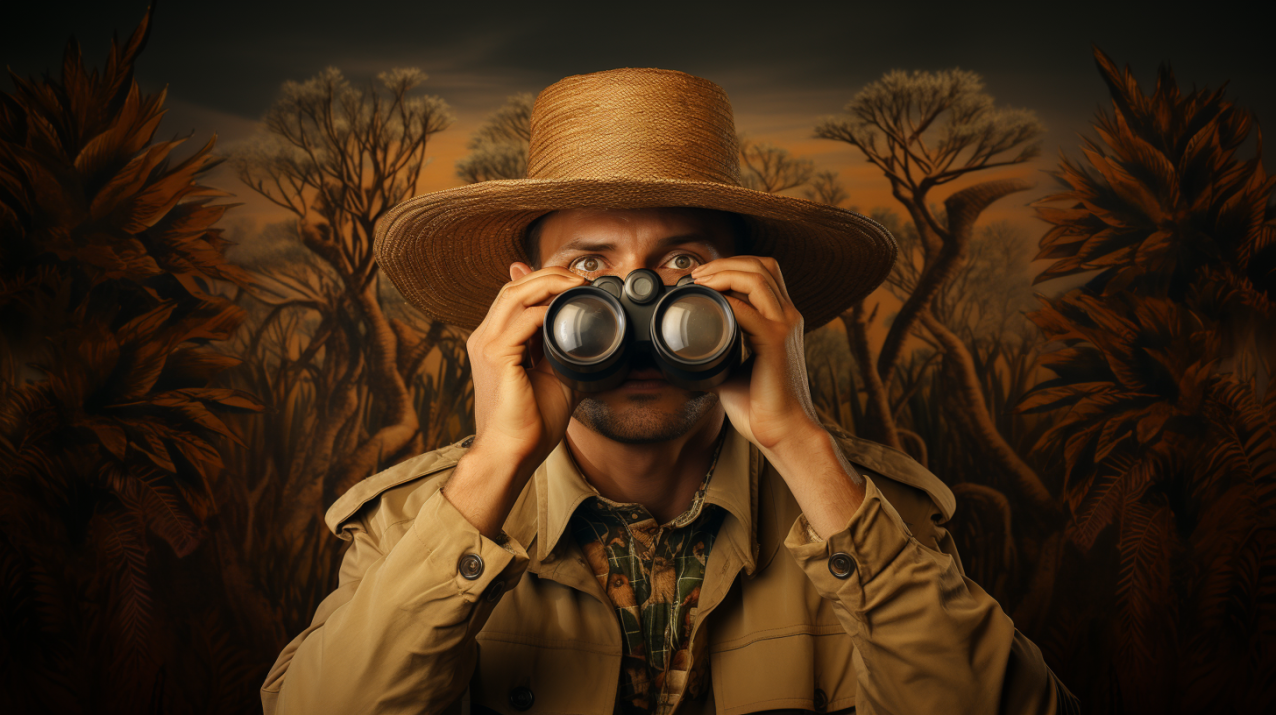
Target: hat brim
{"points": [[448, 252]]}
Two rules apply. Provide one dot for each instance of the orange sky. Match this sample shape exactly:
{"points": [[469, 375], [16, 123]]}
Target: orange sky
{"points": [[867, 188]]}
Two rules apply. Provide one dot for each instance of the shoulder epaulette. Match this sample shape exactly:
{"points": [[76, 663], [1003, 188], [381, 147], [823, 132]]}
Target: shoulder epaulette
{"points": [[418, 467]]}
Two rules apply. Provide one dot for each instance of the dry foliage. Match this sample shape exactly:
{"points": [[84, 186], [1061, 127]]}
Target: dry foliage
{"points": [[498, 149], [354, 380], [924, 130], [826, 188], [160, 539], [767, 167], [1164, 414], [109, 424], [338, 157]]}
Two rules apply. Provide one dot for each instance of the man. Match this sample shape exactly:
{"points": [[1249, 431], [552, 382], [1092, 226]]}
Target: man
{"points": [[621, 551]]}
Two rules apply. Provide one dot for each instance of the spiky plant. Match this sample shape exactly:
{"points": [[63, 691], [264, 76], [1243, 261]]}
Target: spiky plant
{"points": [[1168, 423], [107, 416]]}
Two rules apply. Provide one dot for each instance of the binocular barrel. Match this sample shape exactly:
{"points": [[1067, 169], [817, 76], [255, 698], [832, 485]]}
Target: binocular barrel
{"points": [[592, 333]]}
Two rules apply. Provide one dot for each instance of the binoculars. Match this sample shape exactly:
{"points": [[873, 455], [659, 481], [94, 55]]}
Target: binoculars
{"points": [[593, 333]]}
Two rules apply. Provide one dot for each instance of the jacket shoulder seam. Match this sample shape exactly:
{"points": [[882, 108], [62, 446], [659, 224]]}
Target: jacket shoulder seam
{"points": [[881, 459], [370, 489]]}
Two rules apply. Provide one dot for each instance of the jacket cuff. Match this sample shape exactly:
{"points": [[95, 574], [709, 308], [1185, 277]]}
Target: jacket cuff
{"points": [[480, 567], [851, 564]]}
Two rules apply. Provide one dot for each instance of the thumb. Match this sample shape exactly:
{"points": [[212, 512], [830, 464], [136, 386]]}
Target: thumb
{"points": [[734, 392]]}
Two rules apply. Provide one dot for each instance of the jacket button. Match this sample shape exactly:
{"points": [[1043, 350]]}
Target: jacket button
{"points": [[471, 566], [841, 565], [521, 698], [467, 441], [494, 591], [821, 701]]}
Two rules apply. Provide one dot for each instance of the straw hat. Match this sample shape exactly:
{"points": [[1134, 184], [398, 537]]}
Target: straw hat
{"points": [[624, 139]]}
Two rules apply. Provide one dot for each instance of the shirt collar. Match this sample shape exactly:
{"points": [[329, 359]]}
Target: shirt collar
{"points": [[561, 488]]}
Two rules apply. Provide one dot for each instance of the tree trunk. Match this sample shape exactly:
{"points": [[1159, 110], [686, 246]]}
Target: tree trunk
{"points": [[988, 566], [1033, 610], [308, 472], [919, 451], [258, 619], [879, 422], [963, 208], [415, 345], [392, 398], [970, 396]]}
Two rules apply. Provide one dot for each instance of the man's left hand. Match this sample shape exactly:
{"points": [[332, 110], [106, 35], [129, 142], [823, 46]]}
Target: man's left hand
{"points": [[771, 403]]}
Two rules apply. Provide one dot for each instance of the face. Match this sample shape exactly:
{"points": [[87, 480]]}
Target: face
{"points": [[672, 242]]}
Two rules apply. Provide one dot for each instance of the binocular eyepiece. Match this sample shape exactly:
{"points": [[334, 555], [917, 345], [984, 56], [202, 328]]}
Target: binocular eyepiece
{"points": [[593, 333]]}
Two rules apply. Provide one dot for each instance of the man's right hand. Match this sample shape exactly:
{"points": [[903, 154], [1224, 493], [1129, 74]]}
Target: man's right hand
{"points": [[520, 414]]}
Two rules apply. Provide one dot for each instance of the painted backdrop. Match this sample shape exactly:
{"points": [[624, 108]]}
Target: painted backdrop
{"points": [[198, 353]]}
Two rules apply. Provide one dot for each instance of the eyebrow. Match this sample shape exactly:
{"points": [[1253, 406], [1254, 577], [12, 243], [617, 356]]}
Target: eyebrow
{"points": [[588, 245]]}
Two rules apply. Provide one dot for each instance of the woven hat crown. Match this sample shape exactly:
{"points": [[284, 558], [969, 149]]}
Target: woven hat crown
{"points": [[634, 123], [623, 139]]}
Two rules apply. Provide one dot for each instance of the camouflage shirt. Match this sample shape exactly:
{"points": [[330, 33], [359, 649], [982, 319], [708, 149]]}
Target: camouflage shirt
{"points": [[652, 573]]}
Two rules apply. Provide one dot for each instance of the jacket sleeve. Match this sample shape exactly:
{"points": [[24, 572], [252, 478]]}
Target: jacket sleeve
{"points": [[397, 635], [927, 638]]}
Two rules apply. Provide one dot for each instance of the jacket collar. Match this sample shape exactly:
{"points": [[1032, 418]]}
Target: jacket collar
{"points": [[558, 488]]}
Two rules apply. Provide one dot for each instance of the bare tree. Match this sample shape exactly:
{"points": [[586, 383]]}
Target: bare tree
{"points": [[827, 188], [498, 150], [338, 157], [982, 301], [924, 130], [767, 167]]}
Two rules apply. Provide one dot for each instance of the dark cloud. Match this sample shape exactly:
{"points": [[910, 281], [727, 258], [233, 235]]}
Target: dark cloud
{"points": [[231, 56]]}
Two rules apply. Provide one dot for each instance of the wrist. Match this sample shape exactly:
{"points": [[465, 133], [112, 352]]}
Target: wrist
{"points": [[483, 488], [513, 460], [802, 440], [825, 485]]}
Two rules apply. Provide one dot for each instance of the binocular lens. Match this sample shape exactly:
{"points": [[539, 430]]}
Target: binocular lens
{"points": [[694, 328], [595, 335], [587, 328]]}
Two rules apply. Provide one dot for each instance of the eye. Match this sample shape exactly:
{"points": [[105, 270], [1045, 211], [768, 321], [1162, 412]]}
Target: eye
{"points": [[683, 262], [587, 264]]}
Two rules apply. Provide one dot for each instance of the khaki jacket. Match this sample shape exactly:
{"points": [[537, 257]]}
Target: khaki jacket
{"points": [[418, 625]]}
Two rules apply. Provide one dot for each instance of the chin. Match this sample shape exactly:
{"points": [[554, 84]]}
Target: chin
{"points": [[642, 418]]}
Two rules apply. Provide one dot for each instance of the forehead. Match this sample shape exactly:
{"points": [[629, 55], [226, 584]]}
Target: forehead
{"points": [[633, 229]]}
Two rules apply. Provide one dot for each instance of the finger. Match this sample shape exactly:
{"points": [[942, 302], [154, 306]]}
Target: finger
{"points": [[534, 289], [759, 331], [541, 275], [764, 264], [543, 378], [734, 395], [518, 269], [535, 352], [754, 286], [749, 264], [524, 276], [511, 341], [772, 267]]}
